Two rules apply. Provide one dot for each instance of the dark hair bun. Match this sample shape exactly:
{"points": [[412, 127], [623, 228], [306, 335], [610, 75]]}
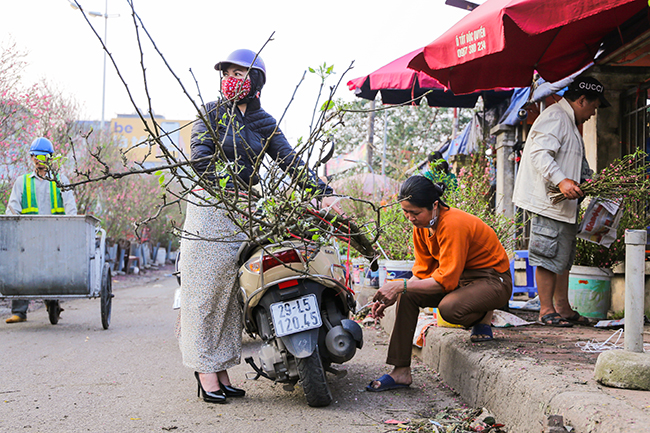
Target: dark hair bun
{"points": [[440, 187]]}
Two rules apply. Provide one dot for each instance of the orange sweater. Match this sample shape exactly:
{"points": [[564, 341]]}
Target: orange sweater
{"points": [[461, 241]]}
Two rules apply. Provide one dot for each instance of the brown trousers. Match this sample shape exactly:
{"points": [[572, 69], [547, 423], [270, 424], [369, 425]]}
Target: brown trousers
{"points": [[478, 291]]}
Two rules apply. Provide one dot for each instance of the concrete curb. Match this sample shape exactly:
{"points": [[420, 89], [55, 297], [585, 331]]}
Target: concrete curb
{"points": [[520, 392]]}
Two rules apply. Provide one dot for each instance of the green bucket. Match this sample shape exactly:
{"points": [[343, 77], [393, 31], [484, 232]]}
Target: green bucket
{"points": [[590, 291]]}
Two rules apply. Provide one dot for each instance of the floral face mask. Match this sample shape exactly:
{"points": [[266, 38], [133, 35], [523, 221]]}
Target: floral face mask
{"points": [[235, 88]]}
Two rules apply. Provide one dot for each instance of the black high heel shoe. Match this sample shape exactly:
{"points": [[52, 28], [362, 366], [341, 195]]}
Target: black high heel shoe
{"points": [[209, 397], [231, 391]]}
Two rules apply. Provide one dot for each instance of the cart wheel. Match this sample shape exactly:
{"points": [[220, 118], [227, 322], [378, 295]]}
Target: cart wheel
{"points": [[53, 311], [106, 296]]}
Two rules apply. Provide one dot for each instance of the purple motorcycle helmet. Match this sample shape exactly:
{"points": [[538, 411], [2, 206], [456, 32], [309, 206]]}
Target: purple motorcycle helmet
{"points": [[245, 58]]}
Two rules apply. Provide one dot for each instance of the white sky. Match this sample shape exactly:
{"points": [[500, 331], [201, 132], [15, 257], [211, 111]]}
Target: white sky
{"points": [[197, 33]]}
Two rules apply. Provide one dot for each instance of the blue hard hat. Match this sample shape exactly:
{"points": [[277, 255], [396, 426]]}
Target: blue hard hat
{"points": [[41, 146], [243, 57]]}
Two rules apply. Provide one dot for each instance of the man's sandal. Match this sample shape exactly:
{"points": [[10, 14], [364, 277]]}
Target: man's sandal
{"points": [[555, 320], [577, 319]]}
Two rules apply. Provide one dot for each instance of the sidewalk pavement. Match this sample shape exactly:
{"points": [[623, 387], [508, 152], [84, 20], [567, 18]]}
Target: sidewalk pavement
{"points": [[528, 373]]}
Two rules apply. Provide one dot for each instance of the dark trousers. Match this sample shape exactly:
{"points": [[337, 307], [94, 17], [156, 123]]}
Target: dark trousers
{"points": [[19, 307], [478, 291]]}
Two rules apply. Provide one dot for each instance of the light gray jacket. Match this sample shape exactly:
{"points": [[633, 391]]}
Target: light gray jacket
{"points": [[42, 190], [554, 151]]}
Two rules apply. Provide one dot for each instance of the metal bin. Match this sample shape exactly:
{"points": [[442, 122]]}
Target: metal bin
{"points": [[54, 257]]}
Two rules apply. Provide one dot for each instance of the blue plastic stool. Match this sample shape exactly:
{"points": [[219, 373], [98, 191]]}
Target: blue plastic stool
{"points": [[531, 285]]}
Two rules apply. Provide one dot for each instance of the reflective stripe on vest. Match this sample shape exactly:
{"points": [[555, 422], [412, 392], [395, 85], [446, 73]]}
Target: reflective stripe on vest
{"points": [[56, 199], [29, 204]]}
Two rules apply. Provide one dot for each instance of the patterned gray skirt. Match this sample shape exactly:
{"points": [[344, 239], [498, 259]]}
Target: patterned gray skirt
{"points": [[210, 334]]}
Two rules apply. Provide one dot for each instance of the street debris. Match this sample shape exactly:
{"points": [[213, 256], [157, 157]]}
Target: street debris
{"points": [[613, 342], [618, 323], [503, 319], [556, 425], [594, 346], [451, 420]]}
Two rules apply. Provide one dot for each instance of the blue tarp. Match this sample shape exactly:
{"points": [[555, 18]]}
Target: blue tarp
{"points": [[518, 100], [459, 144], [543, 89], [520, 97]]}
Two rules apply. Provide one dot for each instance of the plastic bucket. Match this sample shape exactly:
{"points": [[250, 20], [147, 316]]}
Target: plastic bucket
{"points": [[590, 291], [390, 270], [358, 271], [442, 322]]}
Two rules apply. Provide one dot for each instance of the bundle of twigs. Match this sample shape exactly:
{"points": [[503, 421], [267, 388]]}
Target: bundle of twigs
{"points": [[625, 177]]}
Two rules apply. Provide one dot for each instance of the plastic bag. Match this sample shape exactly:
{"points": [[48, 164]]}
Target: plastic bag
{"points": [[600, 221]]}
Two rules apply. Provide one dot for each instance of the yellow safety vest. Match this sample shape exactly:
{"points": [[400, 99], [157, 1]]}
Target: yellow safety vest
{"points": [[29, 204]]}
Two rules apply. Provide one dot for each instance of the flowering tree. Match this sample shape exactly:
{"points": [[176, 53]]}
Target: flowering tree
{"points": [[39, 111], [281, 205], [26, 113]]}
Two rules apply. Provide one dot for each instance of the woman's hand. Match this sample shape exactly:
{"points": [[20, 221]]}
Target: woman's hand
{"points": [[333, 202], [386, 296]]}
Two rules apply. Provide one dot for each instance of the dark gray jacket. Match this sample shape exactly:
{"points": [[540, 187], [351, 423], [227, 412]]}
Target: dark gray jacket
{"points": [[243, 141]]}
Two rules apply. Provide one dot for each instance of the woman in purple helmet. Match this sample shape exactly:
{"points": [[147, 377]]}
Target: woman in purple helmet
{"points": [[210, 336]]}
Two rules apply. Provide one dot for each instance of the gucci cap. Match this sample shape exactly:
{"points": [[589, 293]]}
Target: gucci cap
{"points": [[590, 86]]}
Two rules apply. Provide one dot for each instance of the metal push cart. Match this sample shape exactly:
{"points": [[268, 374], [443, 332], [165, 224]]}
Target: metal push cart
{"points": [[54, 257]]}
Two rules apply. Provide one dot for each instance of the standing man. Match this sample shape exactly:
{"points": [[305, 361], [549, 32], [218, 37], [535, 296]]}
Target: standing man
{"points": [[554, 154], [34, 194]]}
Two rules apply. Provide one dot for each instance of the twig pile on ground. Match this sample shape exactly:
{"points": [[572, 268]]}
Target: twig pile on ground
{"points": [[465, 420]]}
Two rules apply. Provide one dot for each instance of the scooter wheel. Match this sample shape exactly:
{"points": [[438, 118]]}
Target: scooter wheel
{"points": [[313, 380]]}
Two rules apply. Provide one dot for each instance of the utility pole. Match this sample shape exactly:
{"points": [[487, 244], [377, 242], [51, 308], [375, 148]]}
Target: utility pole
{"points": [[371, 131]]}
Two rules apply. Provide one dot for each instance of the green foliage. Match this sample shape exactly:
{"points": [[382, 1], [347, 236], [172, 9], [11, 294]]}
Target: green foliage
{"points": [[327, 105], [29, 112], [397, 234], [323, 71], [472, 192], [412, 132], [3, 206], [395, 240]]}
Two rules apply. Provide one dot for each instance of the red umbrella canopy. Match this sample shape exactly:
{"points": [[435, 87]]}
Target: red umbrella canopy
{"points": [[397, 75], [399, 84], [502, 42]]}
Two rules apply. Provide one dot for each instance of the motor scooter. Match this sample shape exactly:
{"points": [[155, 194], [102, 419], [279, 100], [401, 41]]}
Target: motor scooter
{"points": [[296, 297], [297, 300]]}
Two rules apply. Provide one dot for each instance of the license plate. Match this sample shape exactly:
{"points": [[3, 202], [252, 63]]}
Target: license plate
{"points": [[296, 315]]}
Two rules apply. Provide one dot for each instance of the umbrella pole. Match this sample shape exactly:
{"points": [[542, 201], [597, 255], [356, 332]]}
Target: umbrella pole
{"points": [[383, 152]]}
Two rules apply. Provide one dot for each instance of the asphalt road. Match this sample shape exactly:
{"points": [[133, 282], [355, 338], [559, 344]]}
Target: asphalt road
{"points": [[77, 377]]}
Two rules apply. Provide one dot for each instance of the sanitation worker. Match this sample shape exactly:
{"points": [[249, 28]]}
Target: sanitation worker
{"points": [[34, 194]]}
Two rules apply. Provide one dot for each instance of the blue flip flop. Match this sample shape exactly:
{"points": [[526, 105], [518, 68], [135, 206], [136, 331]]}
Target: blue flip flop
{"points": [[387, 382], [481, 329]]}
